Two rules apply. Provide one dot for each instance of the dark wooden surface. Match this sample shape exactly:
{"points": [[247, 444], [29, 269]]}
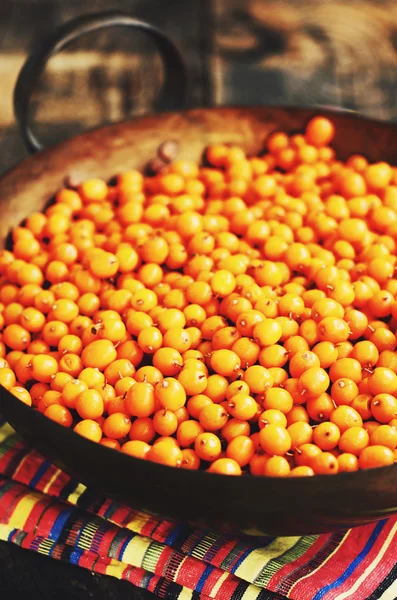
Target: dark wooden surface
{"points": [[329, 52]]}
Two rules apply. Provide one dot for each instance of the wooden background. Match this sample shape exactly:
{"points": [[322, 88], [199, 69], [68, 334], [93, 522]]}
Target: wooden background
{"points": [[329, 52]]}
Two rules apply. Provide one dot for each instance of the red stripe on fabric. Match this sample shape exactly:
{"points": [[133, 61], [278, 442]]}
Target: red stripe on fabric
{"points": [[34, 518], [161, 562], [47, 477], [291, 572], [58, 484], [212, 580], [9, 502], [9, 455], [28, 468], [223, 552], [348, 549], [192, 541], [370, 583]]}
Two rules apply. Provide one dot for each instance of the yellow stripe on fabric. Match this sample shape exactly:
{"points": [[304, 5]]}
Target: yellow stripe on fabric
{"points": [[22, 510], [115, 569], [52, 480], [218, 584], [74, 496], [319, 566], [390, 593], [185, 594], [135, 551], [251, 593], [5, 531], [45, 547], [370, 567], [138, 522], [87, 535], [25, 459], [254, 563], [204, 545]]}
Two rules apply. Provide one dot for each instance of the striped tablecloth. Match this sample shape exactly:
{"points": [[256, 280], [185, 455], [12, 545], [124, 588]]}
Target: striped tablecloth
{"points": [[43, 510]]}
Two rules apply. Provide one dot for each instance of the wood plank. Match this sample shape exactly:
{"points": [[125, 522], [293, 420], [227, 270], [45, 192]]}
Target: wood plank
{"points": [[104, 77], [326, 52]]}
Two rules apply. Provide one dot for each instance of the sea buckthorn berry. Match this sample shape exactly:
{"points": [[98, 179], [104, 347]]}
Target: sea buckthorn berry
{"points": [[302, 471], [190, 460], [344, 391], [375, 456], [325, 464], [267, 333], [346, 367], [140, 400], [300, 433], [277, 466], [384, 435], [333, 329], [208, 447], [89, 429], [278, 399], [225, 362], [170, 394], [383, 381], [136, 448], [43, 368], [304, 454], [348, 463], [117, 426], [327, 353], [326, 435], [320, 408], [302, 361], [241, 449], [22, 394], [89, 404], [275, 440], [60, 414], [225, 466], [384, 407], [320, 131], [345, 417], [242, 406], [314, 381], [99, 354]]}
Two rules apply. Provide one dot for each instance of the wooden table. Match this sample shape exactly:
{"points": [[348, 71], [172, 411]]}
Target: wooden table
{"points": [[328, 52]]}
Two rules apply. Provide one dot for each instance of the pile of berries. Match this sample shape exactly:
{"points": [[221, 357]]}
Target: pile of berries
{"points": [[237, 317]]}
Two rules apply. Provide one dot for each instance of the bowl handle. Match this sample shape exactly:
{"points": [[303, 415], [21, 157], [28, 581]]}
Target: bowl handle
{"points": [[171, 96]]}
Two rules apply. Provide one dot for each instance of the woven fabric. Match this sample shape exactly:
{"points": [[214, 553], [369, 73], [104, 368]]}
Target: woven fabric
{"points": [[43, 510]]}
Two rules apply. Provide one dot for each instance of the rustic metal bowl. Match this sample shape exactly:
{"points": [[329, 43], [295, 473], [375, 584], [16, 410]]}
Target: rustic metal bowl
{"points": [[252, 505]]}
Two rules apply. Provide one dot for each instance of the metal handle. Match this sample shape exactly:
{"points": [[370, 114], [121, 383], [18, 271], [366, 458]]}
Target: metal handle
{"points": [[171, 96]]}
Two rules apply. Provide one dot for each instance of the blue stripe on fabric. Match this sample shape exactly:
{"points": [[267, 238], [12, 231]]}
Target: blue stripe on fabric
{"points": [[59, 524], [364, 552], [208, 570], [9, 539], [39, 474], [111, 509], [75, 556], [174, 534], [124, 546], [240, 560]]}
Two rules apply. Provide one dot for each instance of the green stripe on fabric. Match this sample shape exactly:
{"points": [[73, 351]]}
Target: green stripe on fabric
{"points": [[152, 556], [275, 564]]}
